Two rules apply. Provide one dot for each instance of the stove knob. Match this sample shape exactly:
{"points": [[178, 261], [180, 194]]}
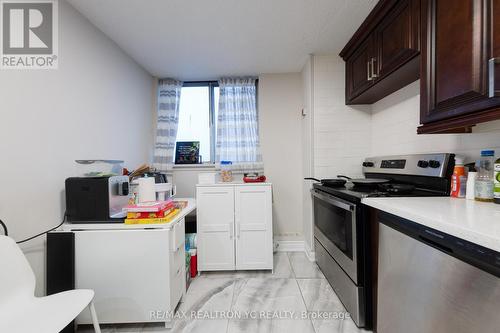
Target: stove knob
{"points": [[423, 164], [368, 164], [434, 164]]}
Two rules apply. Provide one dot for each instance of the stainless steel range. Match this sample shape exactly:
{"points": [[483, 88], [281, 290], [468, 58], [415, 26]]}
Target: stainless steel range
{"points": [[341, 226]]}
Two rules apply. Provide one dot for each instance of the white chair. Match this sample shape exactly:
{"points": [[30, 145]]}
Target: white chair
{"points": [[21, 311]]}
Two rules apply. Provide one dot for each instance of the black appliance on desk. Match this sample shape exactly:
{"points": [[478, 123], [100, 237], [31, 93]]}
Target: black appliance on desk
{"points": [[342, 233], [96, 199]]}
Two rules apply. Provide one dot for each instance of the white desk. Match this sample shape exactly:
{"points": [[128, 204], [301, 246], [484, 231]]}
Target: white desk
{"points": [[121, 226], [137, 271]]}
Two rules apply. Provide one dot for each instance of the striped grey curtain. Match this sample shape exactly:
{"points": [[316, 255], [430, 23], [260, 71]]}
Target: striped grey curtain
{"points": [[238, 125], [169, 96]]}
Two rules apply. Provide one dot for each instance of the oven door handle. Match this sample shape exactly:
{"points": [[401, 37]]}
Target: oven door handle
{"points": [[334, 201]]}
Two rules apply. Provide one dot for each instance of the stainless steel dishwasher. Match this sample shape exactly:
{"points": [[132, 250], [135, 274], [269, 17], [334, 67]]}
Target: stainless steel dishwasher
{"points": [[431, 282]]}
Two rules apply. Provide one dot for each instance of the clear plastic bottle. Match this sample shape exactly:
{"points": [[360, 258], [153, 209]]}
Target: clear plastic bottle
{"points": [[497, 182], [484, 180]]}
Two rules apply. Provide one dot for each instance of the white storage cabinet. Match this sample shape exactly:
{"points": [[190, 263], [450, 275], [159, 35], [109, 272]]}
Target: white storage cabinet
{"points": [[134, 272], [235, 229]]}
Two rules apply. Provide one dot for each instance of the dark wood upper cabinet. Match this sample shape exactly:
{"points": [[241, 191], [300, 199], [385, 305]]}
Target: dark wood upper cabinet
{"points": [[398, 37], [495, 45], [460, 71], [453, 46], [358, 69], [383, 55]]}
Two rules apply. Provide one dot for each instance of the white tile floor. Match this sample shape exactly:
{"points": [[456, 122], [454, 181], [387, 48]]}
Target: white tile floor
{"points": [[297, 287]]}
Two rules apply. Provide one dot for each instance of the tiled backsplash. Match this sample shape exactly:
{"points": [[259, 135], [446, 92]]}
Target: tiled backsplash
{"points": [[345, 135], [394, 124], [340, 131]]}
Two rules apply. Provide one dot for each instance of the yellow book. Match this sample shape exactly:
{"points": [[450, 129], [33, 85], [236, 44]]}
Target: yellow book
{"points": [[149, 215], [157, 220]]}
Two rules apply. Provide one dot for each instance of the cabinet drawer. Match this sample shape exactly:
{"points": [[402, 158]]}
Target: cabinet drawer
{"points": [[178, 259], [177, 282], [178, 236]]}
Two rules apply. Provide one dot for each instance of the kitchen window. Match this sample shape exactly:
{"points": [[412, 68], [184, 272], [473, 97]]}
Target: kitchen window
{"points": [[198, 110]]}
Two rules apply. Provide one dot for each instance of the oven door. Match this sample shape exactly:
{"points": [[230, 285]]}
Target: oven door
{"points": [[335, 229]]}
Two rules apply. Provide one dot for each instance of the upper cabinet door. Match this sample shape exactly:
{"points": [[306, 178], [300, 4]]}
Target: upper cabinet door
{"points": [[460, 38], [397, 37], [359, 72], [254, 227], [383, 55], [215, 221], [495, 42]]}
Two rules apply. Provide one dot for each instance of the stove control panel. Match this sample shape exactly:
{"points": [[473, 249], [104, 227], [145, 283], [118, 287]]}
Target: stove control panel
{"points": [[423, 164], [428, 164], [392, 164], [432, 165]]}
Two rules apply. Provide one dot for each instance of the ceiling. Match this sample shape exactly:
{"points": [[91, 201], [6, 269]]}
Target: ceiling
{"points": [[207, 39]]}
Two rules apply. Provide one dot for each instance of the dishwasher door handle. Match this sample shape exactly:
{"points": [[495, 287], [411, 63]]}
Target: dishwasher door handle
{"points": [[435, 244]]}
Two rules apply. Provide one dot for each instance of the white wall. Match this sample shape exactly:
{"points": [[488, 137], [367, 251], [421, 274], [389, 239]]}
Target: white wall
{"points": [[333, 134], [307, 155], [340, 131], [394, 130], [280, 104], [96, 105]]}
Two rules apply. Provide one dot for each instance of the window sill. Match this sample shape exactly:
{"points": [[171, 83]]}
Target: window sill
{"points": [[187, 167]]}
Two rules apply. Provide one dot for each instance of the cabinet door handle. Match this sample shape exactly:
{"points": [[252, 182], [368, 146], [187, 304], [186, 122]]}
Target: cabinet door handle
{"points": [[369, 71], [238, 229], [231, 230], [374, 75], [491, 73]]}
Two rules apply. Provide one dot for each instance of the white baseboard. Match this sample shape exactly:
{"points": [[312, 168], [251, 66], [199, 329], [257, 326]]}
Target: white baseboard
{"points": [[309, 254], [289, 246]]}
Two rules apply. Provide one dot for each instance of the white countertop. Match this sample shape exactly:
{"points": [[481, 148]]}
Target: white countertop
{"points": [[233, 183], [114, 226], [476, 222]]}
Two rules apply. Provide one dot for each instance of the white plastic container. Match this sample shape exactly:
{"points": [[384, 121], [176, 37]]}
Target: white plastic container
{"points": [[163, 191], [207, 177], [470, 193], [146, 189], [98, 168]]}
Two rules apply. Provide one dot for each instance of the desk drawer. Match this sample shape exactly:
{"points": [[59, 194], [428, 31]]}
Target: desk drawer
{"points": [[178, 236], [178, 260], [177, 279]]}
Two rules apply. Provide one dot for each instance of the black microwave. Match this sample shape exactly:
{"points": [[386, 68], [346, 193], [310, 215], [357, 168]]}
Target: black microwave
{"points": [[96, 199]]}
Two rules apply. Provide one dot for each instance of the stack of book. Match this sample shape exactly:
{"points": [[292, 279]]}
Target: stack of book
{"points": [[152, 212]]}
